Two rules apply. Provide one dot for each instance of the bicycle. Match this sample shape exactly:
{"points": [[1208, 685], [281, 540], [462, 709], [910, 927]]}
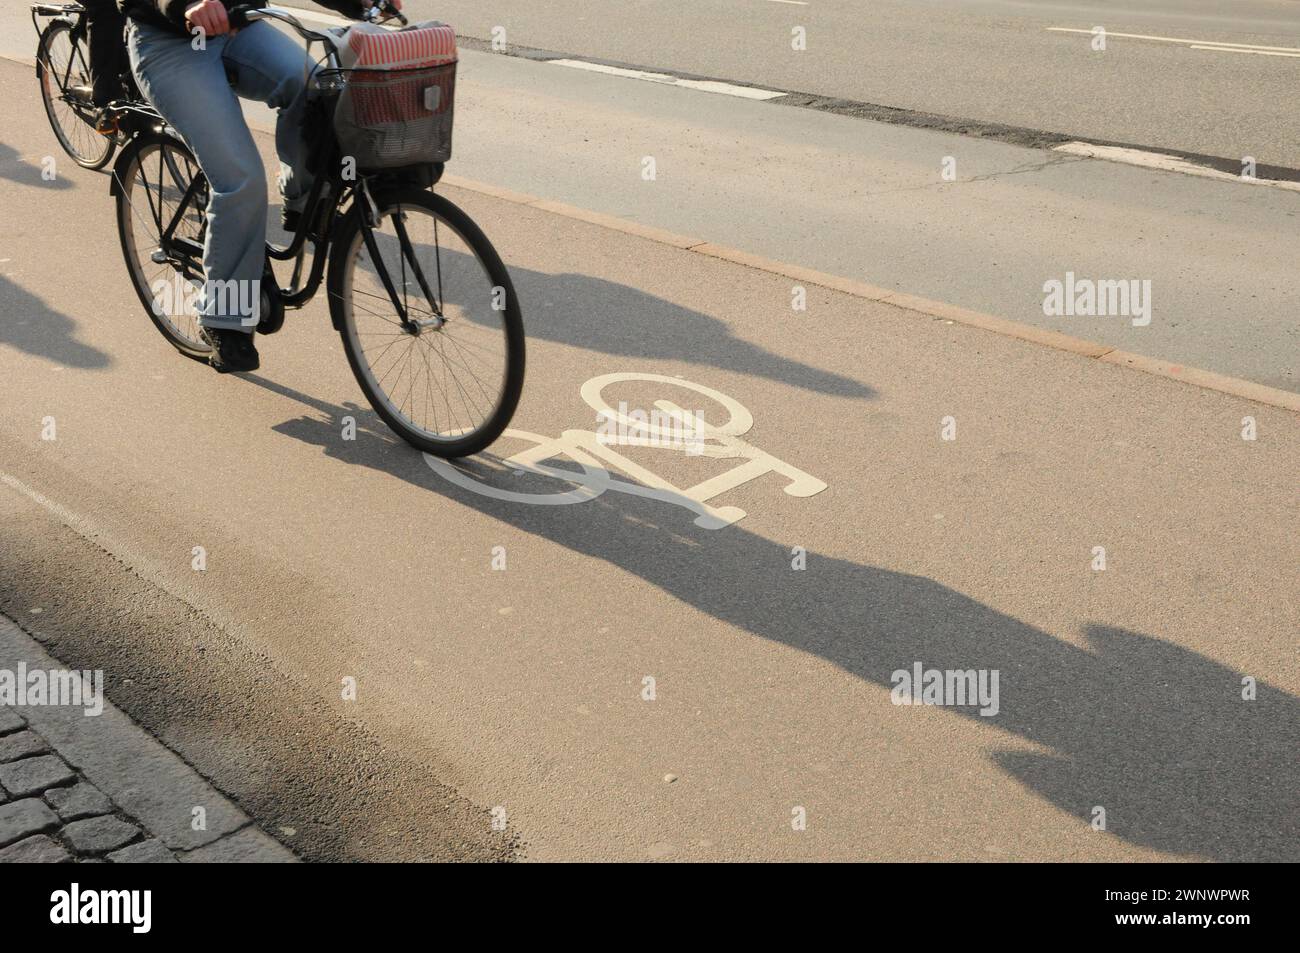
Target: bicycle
{"points": [[63, 72], [400, 312]]}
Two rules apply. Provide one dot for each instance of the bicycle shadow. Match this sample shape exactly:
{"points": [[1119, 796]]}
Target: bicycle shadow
{"points": [[18, 168], [1156, 734], [31, 326], [583, 312]]}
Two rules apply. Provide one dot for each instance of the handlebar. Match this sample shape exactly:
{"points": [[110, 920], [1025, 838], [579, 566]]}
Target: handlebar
{"points": [[241, 16], [384, 10]]}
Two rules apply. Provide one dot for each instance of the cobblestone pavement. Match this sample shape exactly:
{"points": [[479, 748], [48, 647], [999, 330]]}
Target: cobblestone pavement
{"points": [[83, 788]]}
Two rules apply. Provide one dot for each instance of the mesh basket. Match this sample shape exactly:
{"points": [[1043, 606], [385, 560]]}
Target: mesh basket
{"points": [[387, 118]]}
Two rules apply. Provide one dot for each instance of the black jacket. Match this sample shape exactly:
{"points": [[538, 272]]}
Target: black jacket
{"points": [[170, 14]]}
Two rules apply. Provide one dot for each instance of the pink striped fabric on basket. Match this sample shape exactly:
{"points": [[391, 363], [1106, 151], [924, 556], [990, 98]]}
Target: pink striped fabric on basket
{"points": [[431, 44], [381, 95]]}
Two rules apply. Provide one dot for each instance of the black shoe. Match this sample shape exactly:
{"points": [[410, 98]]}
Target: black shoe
{"points": [[289, 219], [106, 122], [232, 351]]}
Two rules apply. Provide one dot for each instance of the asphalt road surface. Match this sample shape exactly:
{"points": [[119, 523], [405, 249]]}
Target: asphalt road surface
{"points": [[632, 685], [999, 61], [977, 223]]}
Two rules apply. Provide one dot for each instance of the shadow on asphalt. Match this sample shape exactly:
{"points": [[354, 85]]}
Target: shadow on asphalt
{"points": [[28, 324], [24, 171], [1157, 735], [625, 321]]}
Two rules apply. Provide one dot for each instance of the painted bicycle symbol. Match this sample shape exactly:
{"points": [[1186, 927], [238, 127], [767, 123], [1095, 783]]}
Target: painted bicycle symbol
{"points": [[594, 453]]}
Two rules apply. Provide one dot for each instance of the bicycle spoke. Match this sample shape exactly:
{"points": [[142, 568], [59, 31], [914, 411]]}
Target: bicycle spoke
{"points": [[465, 367], [447, 376], [464, 396], [64, 69]]}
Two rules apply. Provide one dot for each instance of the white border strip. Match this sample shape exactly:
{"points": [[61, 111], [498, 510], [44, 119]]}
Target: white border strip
{"points": [[707, 86], [1165, 163], [1201, 44], [1233, 49]]}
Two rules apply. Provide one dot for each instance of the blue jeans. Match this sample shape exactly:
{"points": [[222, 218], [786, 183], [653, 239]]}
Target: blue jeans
{"points": [[192, 90]]}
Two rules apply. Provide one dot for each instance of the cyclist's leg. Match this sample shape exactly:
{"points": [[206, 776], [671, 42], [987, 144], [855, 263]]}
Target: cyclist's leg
{"points": [[104, 23], [273, 68], [189, 88]]}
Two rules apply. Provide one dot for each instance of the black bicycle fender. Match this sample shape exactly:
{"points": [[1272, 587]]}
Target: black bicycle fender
{"points": [[41, 31], [119, 167], [126, 155]]}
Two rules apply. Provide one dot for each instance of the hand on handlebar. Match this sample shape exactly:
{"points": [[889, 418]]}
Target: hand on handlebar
{"points": [[209, 16], [386, 10]]}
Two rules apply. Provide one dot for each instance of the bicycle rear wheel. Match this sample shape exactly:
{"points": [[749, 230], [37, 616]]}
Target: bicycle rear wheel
{"points": [[152, 179], [63, 72], [450, 386]]}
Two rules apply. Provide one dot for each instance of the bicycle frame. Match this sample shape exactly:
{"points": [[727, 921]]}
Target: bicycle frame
{"points": [[318, 223], [366, 208], [295, 296], [186, 254]]}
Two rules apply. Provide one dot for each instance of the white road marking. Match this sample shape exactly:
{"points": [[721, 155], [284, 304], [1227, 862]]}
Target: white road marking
{"points": [[794, 3], [1229, 49], [677, 430], [1174, 39], [708, 86], [1165, 163], [704, 85]]}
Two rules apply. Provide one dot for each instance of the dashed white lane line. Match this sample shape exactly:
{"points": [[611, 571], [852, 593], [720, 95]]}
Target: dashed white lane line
{"points": [[1196, 44], [708, 86], [1166, 163]]}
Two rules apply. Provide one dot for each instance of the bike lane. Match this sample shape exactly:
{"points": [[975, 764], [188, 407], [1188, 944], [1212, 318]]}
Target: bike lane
{"points": [[609, 678]]}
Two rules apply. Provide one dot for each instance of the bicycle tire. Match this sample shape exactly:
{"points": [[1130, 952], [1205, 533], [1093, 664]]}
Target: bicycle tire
{"points": [[343, 261], [125, 181], [48, 80]]}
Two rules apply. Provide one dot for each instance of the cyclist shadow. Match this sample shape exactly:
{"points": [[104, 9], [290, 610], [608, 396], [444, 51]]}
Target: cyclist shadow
{"points": [[1157, 735], [595, 314], [31, 326], [18, 168]]}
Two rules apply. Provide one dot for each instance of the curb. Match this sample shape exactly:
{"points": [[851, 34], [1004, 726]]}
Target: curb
{"points": [[141, 777], [1198, 377]]}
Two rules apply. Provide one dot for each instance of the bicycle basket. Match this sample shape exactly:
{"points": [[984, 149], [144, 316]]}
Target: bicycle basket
{"points": [[397, 96]]}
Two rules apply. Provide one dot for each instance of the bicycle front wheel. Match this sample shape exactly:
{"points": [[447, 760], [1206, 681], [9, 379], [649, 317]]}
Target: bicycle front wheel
{"points": [[63, 71], [449, 380]]}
